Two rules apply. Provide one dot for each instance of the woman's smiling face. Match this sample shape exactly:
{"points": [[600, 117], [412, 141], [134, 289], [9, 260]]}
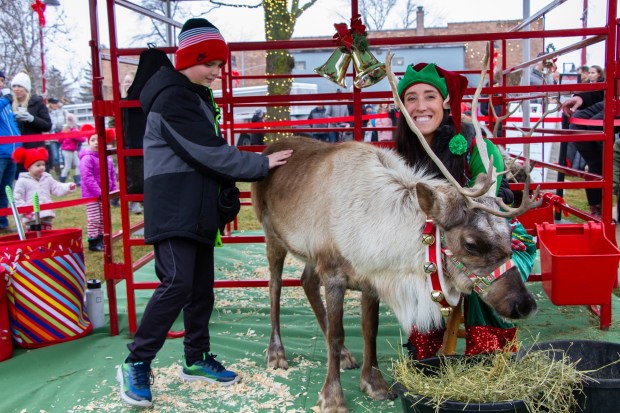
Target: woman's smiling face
{"points": [[425, 105]]}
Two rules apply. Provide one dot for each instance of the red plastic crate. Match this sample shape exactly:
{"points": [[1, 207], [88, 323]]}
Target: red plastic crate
{"points": [[540, 215], [579, 264]]}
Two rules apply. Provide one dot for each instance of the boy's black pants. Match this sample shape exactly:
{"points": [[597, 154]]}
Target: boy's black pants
{"points": [[185, 269]]}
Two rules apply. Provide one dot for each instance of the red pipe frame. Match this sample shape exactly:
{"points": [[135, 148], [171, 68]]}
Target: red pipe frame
{"points": [[116, 272]]}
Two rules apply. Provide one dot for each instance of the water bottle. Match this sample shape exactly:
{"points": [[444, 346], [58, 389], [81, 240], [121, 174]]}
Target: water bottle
{"points": [[94, 303]]}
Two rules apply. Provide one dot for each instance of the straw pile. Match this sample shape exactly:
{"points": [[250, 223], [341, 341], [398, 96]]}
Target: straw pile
{"points": [[542, 383]]}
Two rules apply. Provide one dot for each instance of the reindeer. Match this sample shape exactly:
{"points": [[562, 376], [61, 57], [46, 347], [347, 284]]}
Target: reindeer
{"points": [[355, 213]]}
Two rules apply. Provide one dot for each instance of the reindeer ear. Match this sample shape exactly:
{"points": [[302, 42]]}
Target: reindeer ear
{"points": [[446, 103], [427, 199]]}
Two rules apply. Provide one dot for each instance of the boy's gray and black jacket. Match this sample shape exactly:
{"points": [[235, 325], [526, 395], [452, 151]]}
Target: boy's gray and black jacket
{"points": [[186, 160]]}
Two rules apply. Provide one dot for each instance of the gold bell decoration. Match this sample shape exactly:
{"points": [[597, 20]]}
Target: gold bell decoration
{"points": [[335, 69], [367, 68], [446, 311], [352, 45]]}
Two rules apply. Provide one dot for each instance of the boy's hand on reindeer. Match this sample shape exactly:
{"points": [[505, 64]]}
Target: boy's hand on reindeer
{"points": [[279, 158]]}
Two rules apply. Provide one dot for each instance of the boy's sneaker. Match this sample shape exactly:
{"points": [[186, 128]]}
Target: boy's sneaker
{"points": [[210, 370], [135, 381]]}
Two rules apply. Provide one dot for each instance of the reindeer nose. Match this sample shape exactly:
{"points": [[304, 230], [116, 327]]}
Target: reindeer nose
{"points": [[524, 307]]}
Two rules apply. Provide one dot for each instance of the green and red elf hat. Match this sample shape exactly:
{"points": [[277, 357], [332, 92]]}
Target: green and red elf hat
{"points": [[448, 84]]}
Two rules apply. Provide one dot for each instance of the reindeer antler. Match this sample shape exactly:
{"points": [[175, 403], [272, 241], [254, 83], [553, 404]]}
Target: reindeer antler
{"points": [[500, 119]]}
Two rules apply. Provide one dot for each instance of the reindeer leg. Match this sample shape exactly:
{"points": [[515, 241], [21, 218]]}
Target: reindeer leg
{"points": [[331, 398], [312, 287], [276, 254], [371, 379]]}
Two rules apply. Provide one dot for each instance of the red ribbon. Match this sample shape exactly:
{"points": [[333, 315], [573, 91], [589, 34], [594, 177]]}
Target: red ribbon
{"points": [[39, 8], [344, 35]]}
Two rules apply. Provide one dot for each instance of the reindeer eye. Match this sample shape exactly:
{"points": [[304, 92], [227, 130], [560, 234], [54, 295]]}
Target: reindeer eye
{"points": [[471, 248]]}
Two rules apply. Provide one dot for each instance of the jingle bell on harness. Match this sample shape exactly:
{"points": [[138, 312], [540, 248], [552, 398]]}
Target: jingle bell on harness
{"points": [[335, 68], [437, 296], [367, 68]]}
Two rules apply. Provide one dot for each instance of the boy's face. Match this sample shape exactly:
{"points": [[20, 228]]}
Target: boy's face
{"points": [[204, 74], [36, 169]]}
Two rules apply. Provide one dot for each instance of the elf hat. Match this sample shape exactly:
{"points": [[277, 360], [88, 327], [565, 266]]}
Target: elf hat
{"points": [[200, 42], [29, 156], [446, 82], [23, 80]]}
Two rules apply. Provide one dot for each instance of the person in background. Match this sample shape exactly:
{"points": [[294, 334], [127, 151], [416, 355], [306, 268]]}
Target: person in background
{"points": [[8, 127], [31, 113], [91, 187], [59, 117], [369, 136], [583, 72], [258, 138], [432, 97], [596, 74], [319, 112], [336, 111], [36, 180], [189, 196], [3, 91], [383, 122], [70, 147], [589, 105]]}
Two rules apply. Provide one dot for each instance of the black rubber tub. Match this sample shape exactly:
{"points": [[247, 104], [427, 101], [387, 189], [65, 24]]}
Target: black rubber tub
{"points": [[417, 404], [603, 394]]}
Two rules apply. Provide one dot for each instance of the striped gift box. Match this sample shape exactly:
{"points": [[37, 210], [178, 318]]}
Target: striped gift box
{"points": [[46, 287]]}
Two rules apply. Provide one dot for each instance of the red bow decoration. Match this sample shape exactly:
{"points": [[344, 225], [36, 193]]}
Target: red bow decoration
{"points": [[345, 36], [39, 8]]}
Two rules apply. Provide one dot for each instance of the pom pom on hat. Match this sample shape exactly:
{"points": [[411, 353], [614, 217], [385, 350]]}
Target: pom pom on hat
{"points": [[23, 80], [200, 42], [110, 135], [29, 156]]}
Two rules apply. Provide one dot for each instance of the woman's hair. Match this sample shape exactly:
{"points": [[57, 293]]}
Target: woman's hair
{"points": [[23, 104], [409, 146], [600, 71]]}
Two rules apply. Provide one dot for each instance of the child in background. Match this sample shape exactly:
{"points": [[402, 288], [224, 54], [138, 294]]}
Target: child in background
{"points": [[91, 187], [69, 147], [36, 180]]}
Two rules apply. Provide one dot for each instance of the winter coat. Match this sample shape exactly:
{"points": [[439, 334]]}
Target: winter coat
{"points": [[45, 187], [58, 118], [91, 178], [317, 113], [186, 160], [41, 123], [70, 144], [8, 127], [337, 111]]}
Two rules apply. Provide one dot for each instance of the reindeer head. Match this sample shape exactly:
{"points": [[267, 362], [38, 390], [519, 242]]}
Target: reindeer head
{"points": [[481, 242]]}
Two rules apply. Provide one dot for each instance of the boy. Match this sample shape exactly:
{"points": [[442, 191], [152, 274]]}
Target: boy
{"points": [[186, 162]]}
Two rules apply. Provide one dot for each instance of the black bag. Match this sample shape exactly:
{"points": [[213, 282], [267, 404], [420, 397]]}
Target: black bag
{"points": [[134, 119]]}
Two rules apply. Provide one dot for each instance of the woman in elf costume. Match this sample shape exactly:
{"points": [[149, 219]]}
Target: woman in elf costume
{"points": [[432, 96]]}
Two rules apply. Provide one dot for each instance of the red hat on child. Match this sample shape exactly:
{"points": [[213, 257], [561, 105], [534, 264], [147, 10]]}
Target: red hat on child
{"points": [[29, 156]]}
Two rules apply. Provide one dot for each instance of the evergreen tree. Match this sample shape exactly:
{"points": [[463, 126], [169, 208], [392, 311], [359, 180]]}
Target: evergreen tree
{"points": [[58, 86], [86, 85]]}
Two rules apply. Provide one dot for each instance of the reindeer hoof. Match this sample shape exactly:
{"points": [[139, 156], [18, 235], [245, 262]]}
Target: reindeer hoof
{"points": [[347, 361], [376, 388], [277, 359], [326, 406]]}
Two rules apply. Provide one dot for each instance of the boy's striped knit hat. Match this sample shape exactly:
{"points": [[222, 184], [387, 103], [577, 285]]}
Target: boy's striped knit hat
{"points": [[200, 42]]}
